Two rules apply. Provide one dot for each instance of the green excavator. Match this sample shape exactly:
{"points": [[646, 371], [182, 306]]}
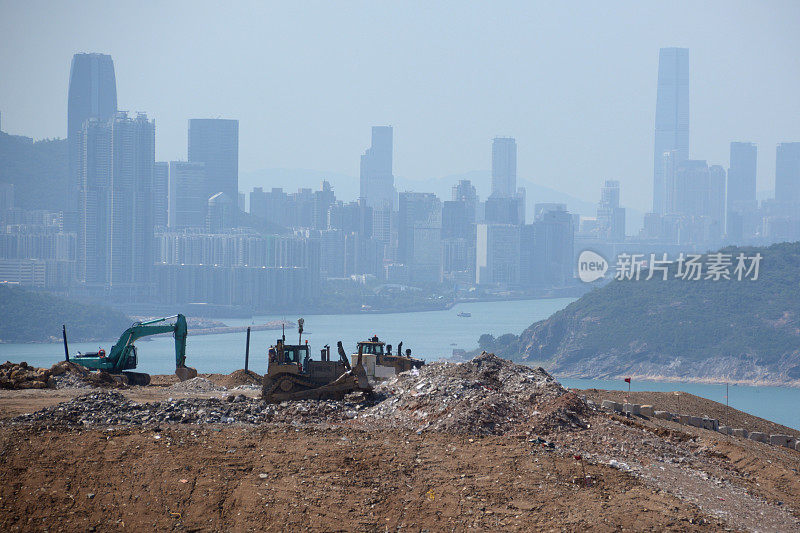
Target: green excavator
{"points": [[122, 357]]}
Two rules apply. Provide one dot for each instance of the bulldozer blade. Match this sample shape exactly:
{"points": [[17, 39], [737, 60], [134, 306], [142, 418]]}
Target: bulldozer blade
{"points": [[185, 372]]}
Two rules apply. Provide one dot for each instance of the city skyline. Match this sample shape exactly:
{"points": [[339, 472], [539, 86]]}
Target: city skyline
{"points": [[546, 134]]}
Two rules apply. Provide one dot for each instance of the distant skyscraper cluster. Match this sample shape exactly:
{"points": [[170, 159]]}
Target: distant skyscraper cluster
{"points": [[701, 205], [173, 232]]}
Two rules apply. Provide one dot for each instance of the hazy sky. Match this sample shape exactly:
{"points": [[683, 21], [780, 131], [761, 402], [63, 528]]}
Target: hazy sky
{"points": [[575, 83]]}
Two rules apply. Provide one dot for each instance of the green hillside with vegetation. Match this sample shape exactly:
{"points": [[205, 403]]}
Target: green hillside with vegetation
{"points": [[726, 329], [27, 316]]}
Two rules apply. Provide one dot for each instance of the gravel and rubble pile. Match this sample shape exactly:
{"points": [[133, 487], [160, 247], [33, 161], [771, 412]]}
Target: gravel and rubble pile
{"points": [[197, 384], [110, 408], [487, 395]]}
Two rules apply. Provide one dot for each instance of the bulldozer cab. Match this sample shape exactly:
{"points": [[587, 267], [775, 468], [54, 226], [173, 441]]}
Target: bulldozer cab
{"points": [[294, 354], [372, 346]]}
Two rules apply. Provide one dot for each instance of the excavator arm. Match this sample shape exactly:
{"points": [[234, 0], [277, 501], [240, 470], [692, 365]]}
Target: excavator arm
{"points": [[120, 356]]}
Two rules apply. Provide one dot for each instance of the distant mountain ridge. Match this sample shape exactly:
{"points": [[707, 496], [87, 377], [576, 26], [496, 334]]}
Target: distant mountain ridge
{"points": [[738, 331]]}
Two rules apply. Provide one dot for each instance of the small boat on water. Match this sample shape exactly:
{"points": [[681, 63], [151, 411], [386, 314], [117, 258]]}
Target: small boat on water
{"points": [[464, 314]]}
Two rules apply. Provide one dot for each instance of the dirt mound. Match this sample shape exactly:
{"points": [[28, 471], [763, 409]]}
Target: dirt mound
{"points": [[487, 395], [239, 378]]}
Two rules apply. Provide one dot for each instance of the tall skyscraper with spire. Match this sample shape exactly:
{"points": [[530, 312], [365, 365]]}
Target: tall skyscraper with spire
{"points": [[672, 119], [377, 180], [92, 94]]}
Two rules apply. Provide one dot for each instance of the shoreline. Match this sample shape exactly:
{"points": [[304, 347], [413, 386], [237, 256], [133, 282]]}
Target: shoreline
{"points": [[698, 381]]}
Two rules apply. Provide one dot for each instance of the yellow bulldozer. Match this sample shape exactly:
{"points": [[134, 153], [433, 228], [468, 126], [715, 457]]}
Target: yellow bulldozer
{"points": [[293, 375]]}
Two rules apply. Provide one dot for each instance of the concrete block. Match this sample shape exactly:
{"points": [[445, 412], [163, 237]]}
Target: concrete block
{"points": [[739, 432], [759, 436], [696, 421], [631, 408], [797, 445], [711, 424], [647, 410], [683, 419], [779, 440], [608, 404], [663, 415], [726, 430]]}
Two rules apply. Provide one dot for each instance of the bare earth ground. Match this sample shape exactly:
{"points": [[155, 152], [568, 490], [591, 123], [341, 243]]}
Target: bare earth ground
{"points": [[350, 476]]}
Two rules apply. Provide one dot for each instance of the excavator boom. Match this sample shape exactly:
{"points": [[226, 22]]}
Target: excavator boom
{"points": [[122, 355]]}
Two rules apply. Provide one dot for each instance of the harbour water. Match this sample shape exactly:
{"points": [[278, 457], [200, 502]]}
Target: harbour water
{"points": [[430, 335]]}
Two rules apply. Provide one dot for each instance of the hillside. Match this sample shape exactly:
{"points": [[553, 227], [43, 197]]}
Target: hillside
{"points": [[707, 330], [36, 317]]}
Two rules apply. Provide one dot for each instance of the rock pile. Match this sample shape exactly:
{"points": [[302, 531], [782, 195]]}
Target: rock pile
{"points": [[487, 395], [109, 408], [60, 376], [23, 376]]}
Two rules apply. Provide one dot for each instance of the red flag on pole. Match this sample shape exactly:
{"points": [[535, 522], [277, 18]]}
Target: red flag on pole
{"points": [[627, 380]]}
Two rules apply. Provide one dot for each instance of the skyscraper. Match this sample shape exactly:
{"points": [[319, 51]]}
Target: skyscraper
{"points": [[215, 142], [161, 194], [377, 180], [92, 94], [742, 177], [504, 167], [419, 235], [115, 236], [787, 174], [187, 200], [610, 216], [672, 118]]}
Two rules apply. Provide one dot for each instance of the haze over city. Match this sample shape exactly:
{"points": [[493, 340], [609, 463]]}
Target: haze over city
{"points": [[574, 84]]}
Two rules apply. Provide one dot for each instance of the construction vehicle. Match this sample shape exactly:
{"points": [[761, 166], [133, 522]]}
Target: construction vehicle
{"points": [[122, 357], [379, 362], [293, 375]]}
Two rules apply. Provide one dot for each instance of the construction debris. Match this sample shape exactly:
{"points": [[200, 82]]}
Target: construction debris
{"points": [[487, 395]]}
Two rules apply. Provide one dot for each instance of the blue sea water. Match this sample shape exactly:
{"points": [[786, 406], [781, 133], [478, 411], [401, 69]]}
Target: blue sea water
{"points": [[430, 335]]}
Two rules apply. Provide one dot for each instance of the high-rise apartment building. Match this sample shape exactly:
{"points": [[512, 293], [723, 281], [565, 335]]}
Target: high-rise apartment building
{"points": [[787, 174], [115, 235], [187, 202], [497, 254], [504, 167], [161, 194], [419, 235], [215, 142], [92, 94], [672, 118], [742, 177]]}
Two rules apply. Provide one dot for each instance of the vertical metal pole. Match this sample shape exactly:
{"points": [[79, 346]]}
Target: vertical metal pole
{"points": [[247, 351], [727, 407], [66, 348]]}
